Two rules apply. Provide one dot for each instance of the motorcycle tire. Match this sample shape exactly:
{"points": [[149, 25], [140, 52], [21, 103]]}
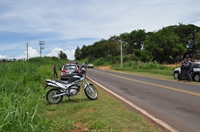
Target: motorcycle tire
{"points": [[51, 99], [91, 92]]}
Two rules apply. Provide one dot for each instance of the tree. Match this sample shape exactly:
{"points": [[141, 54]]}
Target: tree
{"points": [[145, 56], [103, 48], [164, 45], [62, 55], [197, 42], [187, 35], [111, 49], [84, 52], [77, 53], [135, 40]]}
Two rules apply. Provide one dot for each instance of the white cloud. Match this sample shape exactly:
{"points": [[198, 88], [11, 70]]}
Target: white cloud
{"points": [[66, 24], [2, 57], [69, 53], [31, 53], [55, 52]]}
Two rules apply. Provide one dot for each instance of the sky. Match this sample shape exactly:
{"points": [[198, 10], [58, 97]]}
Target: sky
{"points": [[65, 24]]}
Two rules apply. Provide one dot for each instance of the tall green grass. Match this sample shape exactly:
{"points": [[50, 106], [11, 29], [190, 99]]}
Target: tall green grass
{"points": [[25, 109], [151, 67], [19, 105]]}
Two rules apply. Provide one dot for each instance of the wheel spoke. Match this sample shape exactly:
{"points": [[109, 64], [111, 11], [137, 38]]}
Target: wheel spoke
{"points": [[91, 92], [51, 96]]}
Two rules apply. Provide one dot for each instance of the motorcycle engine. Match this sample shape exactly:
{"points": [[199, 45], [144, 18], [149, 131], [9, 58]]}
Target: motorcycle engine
{"points": [[74, 90]]}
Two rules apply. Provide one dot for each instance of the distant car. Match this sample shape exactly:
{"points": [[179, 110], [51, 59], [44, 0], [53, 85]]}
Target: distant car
{"points": [[67, 71], [90, 66], [195, 72]]}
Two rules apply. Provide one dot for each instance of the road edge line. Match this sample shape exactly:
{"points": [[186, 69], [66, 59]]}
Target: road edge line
{"points": [[160, 122]]}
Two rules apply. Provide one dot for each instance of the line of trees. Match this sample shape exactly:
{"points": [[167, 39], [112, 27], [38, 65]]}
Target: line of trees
{"points": [[61, 55], [12, 60], [166, 45]]}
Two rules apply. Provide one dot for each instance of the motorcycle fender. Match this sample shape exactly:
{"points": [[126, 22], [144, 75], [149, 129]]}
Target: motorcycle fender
{"points": [[87, 84], [52, 85]]}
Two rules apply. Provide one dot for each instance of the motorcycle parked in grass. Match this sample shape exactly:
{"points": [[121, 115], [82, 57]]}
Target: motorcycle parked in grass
{"points": [[71, 87]]}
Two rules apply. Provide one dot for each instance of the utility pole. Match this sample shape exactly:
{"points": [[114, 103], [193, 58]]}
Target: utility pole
{"points": [[27, 50], [121, 54], [41, 43]]}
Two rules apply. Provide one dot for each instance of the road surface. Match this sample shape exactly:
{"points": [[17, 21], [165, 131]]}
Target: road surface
{"points": [[175, 103]]}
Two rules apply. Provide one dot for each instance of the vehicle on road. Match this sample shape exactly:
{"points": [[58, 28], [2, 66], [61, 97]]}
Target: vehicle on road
{"points": [[71, 87], [67, 70], [90, 65], [195, 72]]}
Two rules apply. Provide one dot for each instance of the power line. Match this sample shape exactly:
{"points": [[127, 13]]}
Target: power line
{"points": [[193, 21], [18, 31], [9, 40]]}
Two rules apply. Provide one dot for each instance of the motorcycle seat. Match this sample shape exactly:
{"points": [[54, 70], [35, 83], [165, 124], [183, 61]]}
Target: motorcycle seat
{"points": [[62, 81]]}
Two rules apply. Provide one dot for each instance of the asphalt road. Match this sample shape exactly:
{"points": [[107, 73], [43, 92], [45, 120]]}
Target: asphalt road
{"points": [[173, 102]]}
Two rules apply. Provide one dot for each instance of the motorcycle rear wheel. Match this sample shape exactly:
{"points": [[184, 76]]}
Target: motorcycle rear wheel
{"points": [[51, 99], [91, 92]]}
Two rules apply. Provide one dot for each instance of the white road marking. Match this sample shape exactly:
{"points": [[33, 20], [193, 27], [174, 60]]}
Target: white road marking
{"points": [[138, 108]]}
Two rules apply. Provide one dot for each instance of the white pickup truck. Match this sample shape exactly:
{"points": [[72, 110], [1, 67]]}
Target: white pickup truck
{"points": [[195, 72]]}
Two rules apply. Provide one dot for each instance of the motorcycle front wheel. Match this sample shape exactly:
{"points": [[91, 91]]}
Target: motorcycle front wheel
{"points": [[91, 92], [50, 96]]}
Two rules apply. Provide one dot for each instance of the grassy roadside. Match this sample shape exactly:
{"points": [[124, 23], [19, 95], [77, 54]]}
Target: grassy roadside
{"points": [[164, 73], [106, 114], [103, 115], [24, 106]]}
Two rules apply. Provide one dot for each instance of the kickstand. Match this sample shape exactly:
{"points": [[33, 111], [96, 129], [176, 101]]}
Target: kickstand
{"points": [[69, 98]]}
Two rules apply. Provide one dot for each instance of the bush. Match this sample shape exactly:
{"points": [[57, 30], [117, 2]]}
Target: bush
{"points": [[45, 60]]}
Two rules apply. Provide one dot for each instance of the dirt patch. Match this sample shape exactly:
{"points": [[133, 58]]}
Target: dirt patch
{"points": [[80, 127], [104, 67], [173, 65]]}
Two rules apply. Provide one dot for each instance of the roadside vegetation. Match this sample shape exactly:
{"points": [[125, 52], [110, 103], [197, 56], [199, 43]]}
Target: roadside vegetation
{"points": [[24, 107], [22, 97], [165, 46], [149, 69], [135, 66], [142, 52]]}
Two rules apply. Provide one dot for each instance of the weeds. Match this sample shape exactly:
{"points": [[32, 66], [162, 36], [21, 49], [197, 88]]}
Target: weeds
{"points": [[18, 106], [24, 108]]}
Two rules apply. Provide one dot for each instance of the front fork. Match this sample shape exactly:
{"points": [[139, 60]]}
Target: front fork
{"points": [[89, 84]]}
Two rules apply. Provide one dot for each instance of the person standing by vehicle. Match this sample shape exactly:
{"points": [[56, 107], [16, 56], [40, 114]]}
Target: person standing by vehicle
{"points": [[189, 69], [77, 65], [55, 71], [183, 68]]}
